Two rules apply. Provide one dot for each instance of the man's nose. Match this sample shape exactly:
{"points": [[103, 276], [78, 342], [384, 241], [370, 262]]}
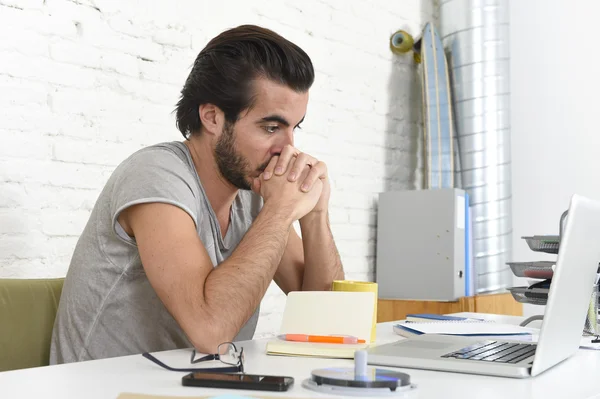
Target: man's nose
{"points": [[282, 142]]}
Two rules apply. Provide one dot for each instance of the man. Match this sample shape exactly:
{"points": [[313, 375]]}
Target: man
{"points": [[186, 237]]}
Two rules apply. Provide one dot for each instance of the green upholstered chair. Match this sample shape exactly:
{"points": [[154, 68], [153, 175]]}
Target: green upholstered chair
{"points": [[27, 312]]}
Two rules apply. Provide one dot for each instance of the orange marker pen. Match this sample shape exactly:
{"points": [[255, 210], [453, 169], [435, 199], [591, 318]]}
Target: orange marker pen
{"points": [[329, 339]]}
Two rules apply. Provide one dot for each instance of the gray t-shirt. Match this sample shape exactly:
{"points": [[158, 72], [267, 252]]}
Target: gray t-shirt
{"points": [[108, 307]]}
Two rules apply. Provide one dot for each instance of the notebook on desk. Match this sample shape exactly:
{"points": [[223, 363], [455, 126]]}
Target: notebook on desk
{"points": [[435, 318], [469, 329], [325, 313]]}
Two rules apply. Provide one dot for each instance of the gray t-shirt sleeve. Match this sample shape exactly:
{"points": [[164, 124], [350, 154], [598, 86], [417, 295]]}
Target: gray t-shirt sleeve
{"points": [[155, 175]]}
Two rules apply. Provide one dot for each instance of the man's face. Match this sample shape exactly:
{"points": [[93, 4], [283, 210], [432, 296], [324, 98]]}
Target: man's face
{"points": [[244, 149]]}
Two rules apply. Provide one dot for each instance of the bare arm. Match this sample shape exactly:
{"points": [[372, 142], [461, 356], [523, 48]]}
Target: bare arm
{"points": [[312, 262], [322, 263], [210, 304]]}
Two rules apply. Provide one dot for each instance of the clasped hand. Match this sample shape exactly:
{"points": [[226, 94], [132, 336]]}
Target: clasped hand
{"points": [[295, 181]]}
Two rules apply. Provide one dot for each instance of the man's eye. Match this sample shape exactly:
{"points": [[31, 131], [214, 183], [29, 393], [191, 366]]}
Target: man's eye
{"points": [[271, 129]]}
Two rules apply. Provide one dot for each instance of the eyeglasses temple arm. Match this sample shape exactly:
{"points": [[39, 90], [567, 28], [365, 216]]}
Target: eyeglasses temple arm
{"points": [[197, 370]]}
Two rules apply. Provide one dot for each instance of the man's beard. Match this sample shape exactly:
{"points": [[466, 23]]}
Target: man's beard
{"points": [[232, 165]]}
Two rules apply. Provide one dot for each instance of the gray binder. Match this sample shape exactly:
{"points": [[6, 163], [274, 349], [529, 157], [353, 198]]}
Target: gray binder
{"points": [[421, 244]]}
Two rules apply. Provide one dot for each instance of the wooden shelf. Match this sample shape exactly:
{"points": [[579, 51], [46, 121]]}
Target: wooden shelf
{"points": [[397, 309]]}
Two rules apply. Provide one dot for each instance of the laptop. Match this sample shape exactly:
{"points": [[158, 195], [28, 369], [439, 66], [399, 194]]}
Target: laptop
{"points": [[562, 327]]}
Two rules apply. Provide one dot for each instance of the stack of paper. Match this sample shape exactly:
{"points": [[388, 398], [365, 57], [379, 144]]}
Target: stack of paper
{"points": [[465, 329], [435, 318]]}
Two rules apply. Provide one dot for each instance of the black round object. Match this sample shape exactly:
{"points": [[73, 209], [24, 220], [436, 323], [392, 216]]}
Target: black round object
{"points": [[374, 378]]}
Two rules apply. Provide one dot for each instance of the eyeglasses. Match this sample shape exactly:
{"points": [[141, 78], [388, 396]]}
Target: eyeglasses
{"points": [[227, 353]]}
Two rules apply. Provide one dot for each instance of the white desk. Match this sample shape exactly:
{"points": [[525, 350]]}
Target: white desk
{"points": [[577, 377]]}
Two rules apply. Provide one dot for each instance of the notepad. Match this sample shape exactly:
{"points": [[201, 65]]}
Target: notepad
{"points": [[310, 349], [465, 329], [325, 313]]}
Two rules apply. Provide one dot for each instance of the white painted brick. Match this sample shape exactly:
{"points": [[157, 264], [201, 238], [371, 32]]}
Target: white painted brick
{"points": [[78, 176], [92, 152], [358, 264], [98, 103], [355, 248], [143, 48], [93, 30], [360, 276], [46, 266], [276, 9], [352, 232], [366, 184], [153, 92], [124, 64], [362, 218], [29, 43], [169, 71], [176, 36], [110, 7], [13, 268], [352, 199], [59, 174], [18, 223], [335, 5], [12, 195], [316, 11], [45, 70], [137, 131], [24, 145], [59, 245], [72, 8], [64, 223], [351, 20], [22, 4], [124, 24], [21, 93], [338, 215], [27, 19], [74, 125], [23, 246], [158, 114], [73, 52]]}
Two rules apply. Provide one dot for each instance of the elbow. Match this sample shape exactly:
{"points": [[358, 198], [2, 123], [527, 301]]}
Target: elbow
{"points": [[209, 335], [204, 345]]}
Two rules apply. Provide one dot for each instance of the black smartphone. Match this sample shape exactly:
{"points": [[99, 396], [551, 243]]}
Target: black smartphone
{"points": [[238, 381]]}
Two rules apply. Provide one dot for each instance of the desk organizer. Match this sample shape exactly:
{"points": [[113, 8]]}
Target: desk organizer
{"points": [[541, 272]]}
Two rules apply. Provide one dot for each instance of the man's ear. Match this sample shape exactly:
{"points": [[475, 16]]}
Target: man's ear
{"points": [[212, 119]]}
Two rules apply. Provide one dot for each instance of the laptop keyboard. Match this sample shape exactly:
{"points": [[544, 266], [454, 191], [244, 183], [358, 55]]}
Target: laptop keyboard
{"points": [[494, 351]]}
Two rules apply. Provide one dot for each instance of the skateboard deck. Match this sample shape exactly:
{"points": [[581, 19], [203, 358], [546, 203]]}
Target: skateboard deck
{"points": [[438, 121]]}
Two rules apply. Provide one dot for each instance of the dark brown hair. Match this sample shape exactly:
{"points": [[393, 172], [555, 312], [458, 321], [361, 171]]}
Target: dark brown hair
{"points": [[224, 70]]}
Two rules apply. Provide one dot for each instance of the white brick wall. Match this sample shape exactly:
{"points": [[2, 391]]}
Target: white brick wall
{"points": [[83, 83]]}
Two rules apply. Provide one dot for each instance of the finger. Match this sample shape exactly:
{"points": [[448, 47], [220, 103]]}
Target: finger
{"points": [[268, 172], [302, 160], [256, 185], [285, 157], [316, 172]]}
